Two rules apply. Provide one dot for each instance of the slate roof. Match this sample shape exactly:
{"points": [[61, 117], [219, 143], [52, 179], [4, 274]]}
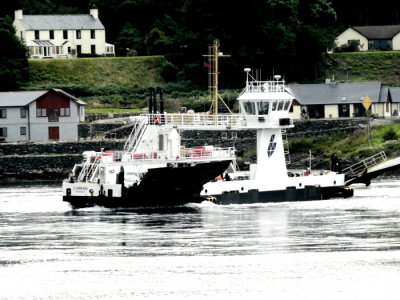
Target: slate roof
{"points": [[335, 93], [9, 99], [16, 99], [378, 32], [60, 22], [395, 93]]}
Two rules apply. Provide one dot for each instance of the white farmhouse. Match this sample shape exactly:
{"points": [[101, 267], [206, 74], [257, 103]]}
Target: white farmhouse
{"points": [[62, 36], [39, 116], [385, 37]]}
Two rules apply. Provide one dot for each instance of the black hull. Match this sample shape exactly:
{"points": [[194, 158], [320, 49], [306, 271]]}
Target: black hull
{"points": [[170, 186], [288, 195]]}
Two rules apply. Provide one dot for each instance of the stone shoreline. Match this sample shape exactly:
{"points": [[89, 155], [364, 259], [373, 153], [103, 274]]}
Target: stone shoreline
{"points": [[54, 160]]}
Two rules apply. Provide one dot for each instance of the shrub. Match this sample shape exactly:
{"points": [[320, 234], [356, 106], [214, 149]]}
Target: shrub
{"points": [[390, 135]]}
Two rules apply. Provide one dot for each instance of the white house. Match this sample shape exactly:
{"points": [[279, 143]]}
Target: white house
{"points": [[344, 100], [61, 36], [39, 116], [385, 37]]}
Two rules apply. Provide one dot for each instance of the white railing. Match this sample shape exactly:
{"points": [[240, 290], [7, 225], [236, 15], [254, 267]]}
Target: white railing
{"points": [[264, 87], [136, 134], [365, 164], [204, 119]]}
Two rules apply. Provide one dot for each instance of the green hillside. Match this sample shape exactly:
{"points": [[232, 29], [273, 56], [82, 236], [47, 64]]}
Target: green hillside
{"points": [[382, 66], [97, 72]]}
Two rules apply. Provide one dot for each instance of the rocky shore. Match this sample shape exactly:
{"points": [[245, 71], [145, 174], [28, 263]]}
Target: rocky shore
{"points": [[54, 160]]}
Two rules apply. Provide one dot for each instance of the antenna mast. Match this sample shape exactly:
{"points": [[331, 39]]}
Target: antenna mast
{"points": [[213, 55]]}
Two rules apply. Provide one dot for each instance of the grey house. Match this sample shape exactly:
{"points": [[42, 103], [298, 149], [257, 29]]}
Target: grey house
{"points": [[343, 100]]}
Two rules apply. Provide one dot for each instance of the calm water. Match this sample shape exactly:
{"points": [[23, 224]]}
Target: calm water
{"points": [[334, 249]]}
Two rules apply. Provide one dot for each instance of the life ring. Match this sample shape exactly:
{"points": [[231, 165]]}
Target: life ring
{"points": [[157, 119]]}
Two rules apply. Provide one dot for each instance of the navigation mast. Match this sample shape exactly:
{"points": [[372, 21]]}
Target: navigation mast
{"points": [[213, 55]]}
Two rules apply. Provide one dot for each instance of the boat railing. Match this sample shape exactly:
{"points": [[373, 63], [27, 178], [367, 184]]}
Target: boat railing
{"points": [[365, 164], [198, 119], [255, 86]]}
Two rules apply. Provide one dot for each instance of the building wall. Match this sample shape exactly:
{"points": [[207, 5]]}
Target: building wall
{"points": [[396, 42], [351, 34], [13, 122], [331, 111]]}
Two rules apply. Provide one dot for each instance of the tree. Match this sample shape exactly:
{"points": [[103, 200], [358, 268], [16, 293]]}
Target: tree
{"points": [[13, 57], [129, 38]]}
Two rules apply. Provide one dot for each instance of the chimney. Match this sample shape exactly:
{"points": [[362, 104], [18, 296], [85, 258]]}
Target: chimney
{"points": [[18, 14], [94, 12]]}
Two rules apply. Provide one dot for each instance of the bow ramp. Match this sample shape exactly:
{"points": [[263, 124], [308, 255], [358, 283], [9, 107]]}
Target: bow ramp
{"points": [[369, 168]]}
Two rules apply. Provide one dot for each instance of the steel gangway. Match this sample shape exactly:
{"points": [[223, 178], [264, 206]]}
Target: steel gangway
{"points": [[88, 170], [136, 134], [286, 146], [359, 168]]}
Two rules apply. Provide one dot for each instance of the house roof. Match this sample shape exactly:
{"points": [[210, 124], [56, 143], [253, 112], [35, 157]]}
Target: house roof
{"points": [[16, 99], [395, 93], [9, 99], [378, 32], [335, 93], [60, 22]]}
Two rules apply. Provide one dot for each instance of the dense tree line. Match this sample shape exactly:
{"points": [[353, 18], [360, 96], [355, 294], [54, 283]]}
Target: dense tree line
{"points": [[277, 36]]}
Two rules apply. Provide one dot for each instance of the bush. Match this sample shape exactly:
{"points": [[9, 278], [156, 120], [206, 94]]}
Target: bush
{"points": [[390, 135], [353, 46]]}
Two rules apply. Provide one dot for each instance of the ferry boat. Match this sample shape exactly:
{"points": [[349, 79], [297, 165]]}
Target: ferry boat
{"points": [[156, 169]]}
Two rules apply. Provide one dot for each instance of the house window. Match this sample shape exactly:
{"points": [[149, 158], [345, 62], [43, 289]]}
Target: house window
{"points": [[53, 115], [344, 110], [41, 112], [65, 34], [65, 112], [93, 49], [78, 49], [92, 34], [3, 113], [22, 130], [51, 34], [37, 36], [3, 132], [69, 50], [387, 107], [78, 34], [23, 112]]}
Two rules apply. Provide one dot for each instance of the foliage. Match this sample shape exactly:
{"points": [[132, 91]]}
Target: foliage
{"points": [[352, 46], [13, 57], [390, 135]]}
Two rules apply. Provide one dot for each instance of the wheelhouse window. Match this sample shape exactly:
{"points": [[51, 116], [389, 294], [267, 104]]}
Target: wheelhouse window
{"points": [[37, 36], [274, 105], [249, 108], [22, 130], [78, 34], [23, 112], [3, 113], [41, 112], [51, 34], [65, 112], [263, 108], [3, 131], [287, 105], [280, 106], [92, 34]]}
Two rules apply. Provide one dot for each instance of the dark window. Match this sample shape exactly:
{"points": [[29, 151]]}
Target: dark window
{"points": [[93, 49], [37, 36], [22, 130], [23, 112], [92, 34], [344, 110], [78, 34], [41, 112], [3, 132], [380, 44], [65, 34], [69, 50], [53, 115], [79, 49], [51, 34], [3, 113], [263, 108], [316, 111]]}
